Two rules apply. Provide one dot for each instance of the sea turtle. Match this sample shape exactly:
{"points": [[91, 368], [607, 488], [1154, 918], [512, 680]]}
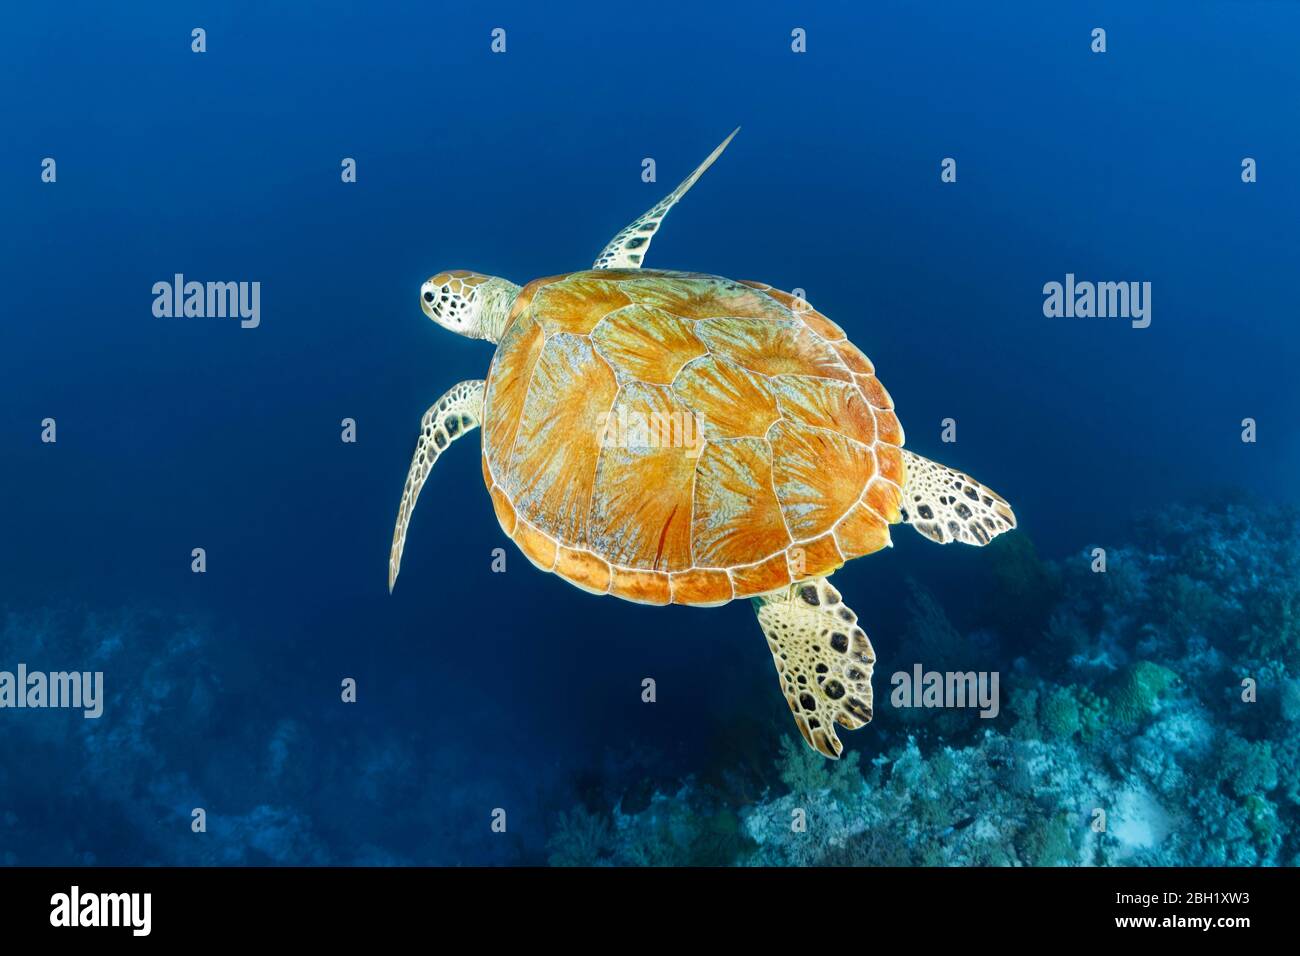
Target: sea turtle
{"points": [[679, 438]]}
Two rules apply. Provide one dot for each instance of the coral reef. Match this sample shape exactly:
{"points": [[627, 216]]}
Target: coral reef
{"points": [[180, 733], [1148, 716], [1150, 719]]}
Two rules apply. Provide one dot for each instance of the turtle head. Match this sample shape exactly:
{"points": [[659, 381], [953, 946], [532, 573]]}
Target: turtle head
{"points": [[468, 303]]}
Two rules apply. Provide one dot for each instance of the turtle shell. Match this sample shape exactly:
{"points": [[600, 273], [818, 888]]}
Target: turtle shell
{"points": [[670, 437]]}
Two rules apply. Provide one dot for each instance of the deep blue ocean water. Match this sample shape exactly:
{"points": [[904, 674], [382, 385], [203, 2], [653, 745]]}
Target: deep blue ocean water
{"points": [[479, 690]]}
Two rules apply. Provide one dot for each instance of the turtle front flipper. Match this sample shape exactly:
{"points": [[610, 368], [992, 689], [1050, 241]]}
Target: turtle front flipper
{"points": [[456, 413], [946, 505], [628, 248], [823, 658]]}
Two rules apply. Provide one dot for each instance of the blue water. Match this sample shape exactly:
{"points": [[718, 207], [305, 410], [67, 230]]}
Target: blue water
{"points": [[479, 690]]}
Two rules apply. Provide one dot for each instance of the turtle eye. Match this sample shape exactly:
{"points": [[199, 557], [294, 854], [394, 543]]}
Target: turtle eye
{"points": [[428, 297]]}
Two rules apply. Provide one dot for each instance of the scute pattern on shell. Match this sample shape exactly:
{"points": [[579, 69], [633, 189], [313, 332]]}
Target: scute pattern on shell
{"points": [[672, 437]]}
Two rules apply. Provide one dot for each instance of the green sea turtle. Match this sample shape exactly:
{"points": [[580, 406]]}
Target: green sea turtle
{"points": [[678, 438]]}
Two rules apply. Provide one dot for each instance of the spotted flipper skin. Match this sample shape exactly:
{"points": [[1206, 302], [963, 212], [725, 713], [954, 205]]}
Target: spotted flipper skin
{"points": [[946, 505], [627, 250], [458, 412], [824, 660]]}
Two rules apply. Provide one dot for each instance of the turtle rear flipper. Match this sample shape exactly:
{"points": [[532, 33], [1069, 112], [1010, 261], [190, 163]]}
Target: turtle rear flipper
{"points": [[946, 505], [823, 658]]}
